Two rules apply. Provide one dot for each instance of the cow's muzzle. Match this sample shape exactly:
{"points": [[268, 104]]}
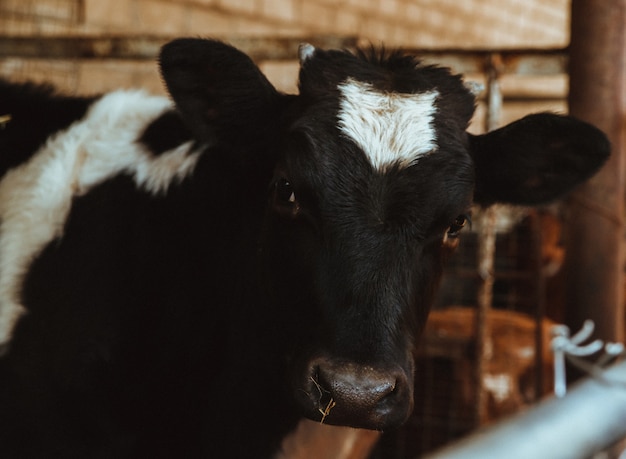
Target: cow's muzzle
{"points": [[341, 392]]}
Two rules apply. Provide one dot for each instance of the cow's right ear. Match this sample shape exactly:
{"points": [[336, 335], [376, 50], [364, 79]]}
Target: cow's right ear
{"points": [[221, 94]]}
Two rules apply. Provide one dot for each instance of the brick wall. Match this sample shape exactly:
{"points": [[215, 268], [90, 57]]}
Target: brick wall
{"points": [[408, 23], [415, 23]]}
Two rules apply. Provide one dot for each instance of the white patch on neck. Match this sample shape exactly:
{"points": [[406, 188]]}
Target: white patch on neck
{"points": [[36, 197], [391, 128], [312, 439]]}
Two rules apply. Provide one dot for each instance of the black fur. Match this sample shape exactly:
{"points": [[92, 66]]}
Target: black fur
{"points": [[36, 111], [165, 133]]}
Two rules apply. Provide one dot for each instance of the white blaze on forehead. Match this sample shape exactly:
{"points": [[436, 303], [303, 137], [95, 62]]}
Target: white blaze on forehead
{"points": [[391, 128]]}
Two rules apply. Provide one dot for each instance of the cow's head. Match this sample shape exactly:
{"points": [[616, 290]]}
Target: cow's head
{"points": [[371, 176]]}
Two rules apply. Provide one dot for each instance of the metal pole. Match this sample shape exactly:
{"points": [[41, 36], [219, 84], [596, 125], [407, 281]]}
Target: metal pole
{"points": [[590, 418], [594, 228]]}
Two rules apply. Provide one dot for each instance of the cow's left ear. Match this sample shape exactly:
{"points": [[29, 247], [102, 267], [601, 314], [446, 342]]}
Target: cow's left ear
{"points": [[536, 159], [221, 94]]}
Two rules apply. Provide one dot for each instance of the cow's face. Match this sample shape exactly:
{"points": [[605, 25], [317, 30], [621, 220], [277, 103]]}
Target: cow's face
{"points": [[373, 177], [372, 190]]}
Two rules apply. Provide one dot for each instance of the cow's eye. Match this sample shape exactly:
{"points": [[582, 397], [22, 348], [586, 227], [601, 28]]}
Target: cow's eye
{"points": [[284, 191], [285, 202], [457, 225]]}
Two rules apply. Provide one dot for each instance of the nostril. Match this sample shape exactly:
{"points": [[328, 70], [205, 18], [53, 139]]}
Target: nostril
{"points": [[319, 386], [393, 388], [386, 391], [320, 394]]}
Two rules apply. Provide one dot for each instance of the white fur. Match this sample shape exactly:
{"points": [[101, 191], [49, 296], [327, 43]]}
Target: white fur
{"points": [[312, 440], [390, 127], [36, 197], [305, 52]]}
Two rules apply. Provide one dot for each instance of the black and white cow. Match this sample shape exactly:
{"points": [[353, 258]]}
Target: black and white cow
{"points": [[191, 279]]}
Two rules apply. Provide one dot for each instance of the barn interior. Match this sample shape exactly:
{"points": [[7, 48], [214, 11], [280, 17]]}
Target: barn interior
{"points": [[486, 351]]}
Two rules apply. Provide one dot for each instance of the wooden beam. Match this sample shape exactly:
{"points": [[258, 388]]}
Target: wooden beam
{"points": [[146, 47]]}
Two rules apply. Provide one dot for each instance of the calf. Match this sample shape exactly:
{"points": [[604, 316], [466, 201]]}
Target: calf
{"points": [[191, 279]]}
